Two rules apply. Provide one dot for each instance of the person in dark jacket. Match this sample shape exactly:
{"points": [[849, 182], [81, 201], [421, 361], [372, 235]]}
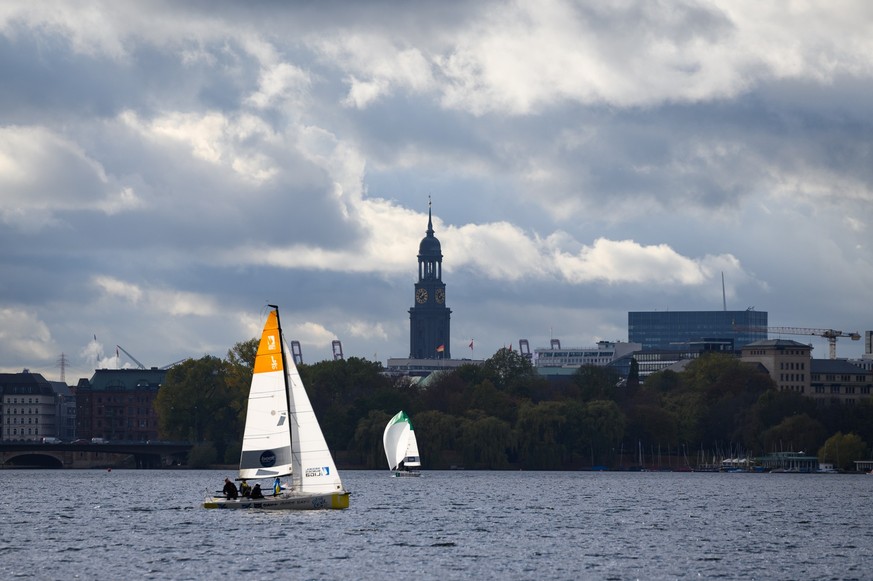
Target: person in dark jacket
{"points": [[230, 491], [256, 492]]}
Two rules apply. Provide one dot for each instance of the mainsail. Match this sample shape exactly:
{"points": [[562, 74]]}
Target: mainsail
{"points": [[266, 445]]}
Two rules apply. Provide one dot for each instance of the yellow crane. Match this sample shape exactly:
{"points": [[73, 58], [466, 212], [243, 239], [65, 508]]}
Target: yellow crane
{"points": [[829, 334]]}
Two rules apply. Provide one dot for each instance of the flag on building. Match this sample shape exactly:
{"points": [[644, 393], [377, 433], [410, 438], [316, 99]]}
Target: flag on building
{"points": [[441, 348]]}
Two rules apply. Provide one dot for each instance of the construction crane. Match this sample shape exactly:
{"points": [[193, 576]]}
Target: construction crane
{"points": [[829, 334], [140, 365], [174, 363]]}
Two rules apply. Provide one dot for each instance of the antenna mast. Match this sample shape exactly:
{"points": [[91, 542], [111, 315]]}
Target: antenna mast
{"points": [[723, 296], [62, 363]]}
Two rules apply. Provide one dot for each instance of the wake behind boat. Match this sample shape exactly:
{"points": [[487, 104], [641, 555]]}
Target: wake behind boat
{"points": [[401, 446], [282, 437]]}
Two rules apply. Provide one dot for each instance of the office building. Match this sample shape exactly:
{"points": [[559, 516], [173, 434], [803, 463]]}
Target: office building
{"points": [[696, 330]]}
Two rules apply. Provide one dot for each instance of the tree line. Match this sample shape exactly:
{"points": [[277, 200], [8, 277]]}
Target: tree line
{"points": [[503, 415]]}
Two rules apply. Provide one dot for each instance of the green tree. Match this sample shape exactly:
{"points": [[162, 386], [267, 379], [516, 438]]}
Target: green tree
{"points": [[194, 404], [842, 450], [857, 419], [729, 388], [604, 426], [367, 442], [202, 456], [448, 393], [438, 436], [664, 381], [597, 382], [486, 441], [240, 364], [507, 367], [633, 376], [652, 424], [541, 435], [794, 434], [774, 406], [336, 389], [486, 397]]}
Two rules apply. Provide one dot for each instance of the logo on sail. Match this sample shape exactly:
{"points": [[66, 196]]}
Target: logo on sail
{"points": [[273, 363], [268, 458], [271, 342]]}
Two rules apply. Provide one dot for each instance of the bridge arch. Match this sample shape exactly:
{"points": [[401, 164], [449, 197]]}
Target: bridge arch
{"points": [[33, 460]]}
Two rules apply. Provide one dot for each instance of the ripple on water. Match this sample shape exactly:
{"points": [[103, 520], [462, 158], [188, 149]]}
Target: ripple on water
{"points": [[445, 525]]}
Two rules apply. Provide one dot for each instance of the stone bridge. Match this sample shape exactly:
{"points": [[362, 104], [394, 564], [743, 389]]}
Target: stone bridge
{"points": [[88, 455]]}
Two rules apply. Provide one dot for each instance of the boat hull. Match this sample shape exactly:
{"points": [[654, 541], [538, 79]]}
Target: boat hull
{"points": [[405, 473], [288, 501]]}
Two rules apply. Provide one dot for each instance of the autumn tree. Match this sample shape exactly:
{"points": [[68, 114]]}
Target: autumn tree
{"points": [[842, 450]]}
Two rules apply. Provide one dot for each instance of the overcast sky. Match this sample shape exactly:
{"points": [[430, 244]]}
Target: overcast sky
{"points": [[167, 169]]}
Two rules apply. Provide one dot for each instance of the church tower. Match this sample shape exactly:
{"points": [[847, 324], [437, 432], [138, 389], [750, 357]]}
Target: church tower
{"points": [[429, 316]]}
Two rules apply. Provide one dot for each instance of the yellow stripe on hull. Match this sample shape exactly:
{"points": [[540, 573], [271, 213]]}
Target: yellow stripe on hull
{"points": [[339, 500], [287, 502]]}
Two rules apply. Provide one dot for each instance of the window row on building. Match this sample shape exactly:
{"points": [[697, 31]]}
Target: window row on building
{"points": [[115, 404]]}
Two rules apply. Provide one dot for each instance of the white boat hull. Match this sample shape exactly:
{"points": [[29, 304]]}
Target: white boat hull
{"points": [[286, 501], [405, 473]]}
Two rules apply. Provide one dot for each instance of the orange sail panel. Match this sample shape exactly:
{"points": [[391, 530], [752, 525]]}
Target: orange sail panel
{"points": [[269, 357]]}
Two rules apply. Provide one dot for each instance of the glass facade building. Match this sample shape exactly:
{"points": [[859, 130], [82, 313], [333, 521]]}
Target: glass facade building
{"points": [[696, 330]]}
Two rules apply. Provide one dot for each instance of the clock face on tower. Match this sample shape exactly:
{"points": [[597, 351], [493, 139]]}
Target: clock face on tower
{"points": [[440, 296], [421, 296]]}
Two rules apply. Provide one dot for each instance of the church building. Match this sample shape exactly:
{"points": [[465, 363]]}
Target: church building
{"points": [[429, 317], [430, 347]]}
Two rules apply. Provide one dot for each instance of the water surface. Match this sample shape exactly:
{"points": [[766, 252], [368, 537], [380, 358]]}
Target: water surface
{"points": [[89, 524]]}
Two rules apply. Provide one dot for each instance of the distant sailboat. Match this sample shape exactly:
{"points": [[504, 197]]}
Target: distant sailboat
{"points": [[401, 446], [282, 437]]}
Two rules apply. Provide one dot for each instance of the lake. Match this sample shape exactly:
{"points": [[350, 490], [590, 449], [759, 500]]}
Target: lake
{"points": [[127, 524]]}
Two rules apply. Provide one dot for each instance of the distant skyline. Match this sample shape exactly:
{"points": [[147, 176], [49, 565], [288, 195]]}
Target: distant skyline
{"points": [[167, 169]]}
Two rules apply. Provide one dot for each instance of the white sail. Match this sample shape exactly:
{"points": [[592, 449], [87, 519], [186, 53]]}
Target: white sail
{"points": [[314, 470], [412, 458], [400, 443], [266, 445]]}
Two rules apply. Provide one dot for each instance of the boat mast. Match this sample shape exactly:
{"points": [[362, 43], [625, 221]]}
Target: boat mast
{"points": [[284, 365]]}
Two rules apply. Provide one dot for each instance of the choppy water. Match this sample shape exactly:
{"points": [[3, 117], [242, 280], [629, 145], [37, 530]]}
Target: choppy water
{"points": [[70, 524]]}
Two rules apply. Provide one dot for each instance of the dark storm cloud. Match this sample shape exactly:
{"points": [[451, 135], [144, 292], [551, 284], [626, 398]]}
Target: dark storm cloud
{"points": [[166, 169]]}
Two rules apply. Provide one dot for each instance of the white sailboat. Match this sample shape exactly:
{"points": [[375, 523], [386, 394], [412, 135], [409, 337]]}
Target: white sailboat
{"points": [[282, 437], [401, 446]]}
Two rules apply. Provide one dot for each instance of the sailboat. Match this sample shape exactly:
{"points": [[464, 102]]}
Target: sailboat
{"points": [[401, 447], [282, 438]]}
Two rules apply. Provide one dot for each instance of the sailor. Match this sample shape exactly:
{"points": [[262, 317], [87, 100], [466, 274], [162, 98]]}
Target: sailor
{"points": [[244, 488], [230, 491], [256, 492]]}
